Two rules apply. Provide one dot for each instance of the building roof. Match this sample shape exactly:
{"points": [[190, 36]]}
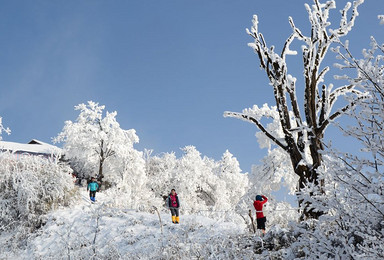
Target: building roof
{"points": [[33, 147]]}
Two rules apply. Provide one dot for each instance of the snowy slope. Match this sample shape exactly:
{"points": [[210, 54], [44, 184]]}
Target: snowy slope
{"points": [[97, 231]]}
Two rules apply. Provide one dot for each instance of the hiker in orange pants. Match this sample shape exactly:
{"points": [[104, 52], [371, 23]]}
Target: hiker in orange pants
{"points": [[174, 205]]}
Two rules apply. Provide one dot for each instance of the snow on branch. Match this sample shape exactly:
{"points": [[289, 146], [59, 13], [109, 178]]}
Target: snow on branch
{"points": [[369, 69], [346, 24], [381, 18], [2, 128], [340, 112], [249, 118]]}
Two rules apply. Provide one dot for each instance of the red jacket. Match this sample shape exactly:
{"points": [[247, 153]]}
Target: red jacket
{"points": [[259, 207], [173, 201]]}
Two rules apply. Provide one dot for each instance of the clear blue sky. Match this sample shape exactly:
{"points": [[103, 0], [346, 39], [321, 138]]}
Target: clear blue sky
{"points": [[169, 68]]}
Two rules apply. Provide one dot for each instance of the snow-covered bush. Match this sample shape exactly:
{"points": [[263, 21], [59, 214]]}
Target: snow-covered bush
{"points": [[353, 226], [160, 171], [129, 184], [30, 186], [232, 183], [204, 185]]}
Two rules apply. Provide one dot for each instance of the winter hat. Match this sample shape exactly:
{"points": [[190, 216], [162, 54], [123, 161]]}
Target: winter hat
{"points": [[258, 197]]}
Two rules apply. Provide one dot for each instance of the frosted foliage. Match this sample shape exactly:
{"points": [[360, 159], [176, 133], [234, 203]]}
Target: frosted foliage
{"points": [[30, 187], [194, 179], [232, 183], [353, 227], [274, 172], [200, 182], [93, 135], [297, 124], [369, 114], [96, 144], [288, 127], [274, 127], [161, 171], [129, 181], [353, 196]]}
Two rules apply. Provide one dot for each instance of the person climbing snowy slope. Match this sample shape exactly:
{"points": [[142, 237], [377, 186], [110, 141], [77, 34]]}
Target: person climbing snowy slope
{"points": [[174, 205], [93, 187], [260, 218]]}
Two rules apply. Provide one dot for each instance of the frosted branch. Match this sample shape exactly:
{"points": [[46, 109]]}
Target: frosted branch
{"points": [[258, 124], [381, 18], [339, 113], [345, 24], [2, 128]]}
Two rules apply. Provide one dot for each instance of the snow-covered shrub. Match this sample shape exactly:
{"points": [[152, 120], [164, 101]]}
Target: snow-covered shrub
{"points": [[203, 184], [30, 186], [129, 185], [160, 171], [231, 184], [353, 202]]}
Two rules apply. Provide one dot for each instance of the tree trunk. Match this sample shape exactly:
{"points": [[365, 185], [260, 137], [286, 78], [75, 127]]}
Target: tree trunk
{"points": [[303, 136], [308, 174], [100, 175]]}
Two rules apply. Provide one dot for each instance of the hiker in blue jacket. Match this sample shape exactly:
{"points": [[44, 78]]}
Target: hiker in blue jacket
{"points": [[93, 186]]}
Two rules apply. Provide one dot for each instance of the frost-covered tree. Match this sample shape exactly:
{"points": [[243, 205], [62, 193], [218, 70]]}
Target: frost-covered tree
{"points": [[202, 183], [161, 170], [94, 139], [127, 176], [355, 181], [301, 134], [232, 183], [97, 145], [194, 179]]}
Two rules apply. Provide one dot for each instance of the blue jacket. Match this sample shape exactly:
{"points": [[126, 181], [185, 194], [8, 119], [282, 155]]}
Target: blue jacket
{"points": [[93, 186]]}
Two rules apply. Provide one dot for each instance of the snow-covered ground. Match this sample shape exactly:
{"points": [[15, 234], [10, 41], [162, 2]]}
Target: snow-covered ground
{"points": [[96, 231]]}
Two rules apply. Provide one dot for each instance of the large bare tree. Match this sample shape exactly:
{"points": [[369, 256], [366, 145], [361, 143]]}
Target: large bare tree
{"points": [[303, 133]]}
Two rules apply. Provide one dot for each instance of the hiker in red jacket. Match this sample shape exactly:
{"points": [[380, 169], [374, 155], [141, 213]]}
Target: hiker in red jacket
{"points": [[260, 218], [174, 205]]}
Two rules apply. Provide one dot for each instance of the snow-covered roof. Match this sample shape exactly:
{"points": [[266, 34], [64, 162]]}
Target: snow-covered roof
{"points": [[33, 147]]}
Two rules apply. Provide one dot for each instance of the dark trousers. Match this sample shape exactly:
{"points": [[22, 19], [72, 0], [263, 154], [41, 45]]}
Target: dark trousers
{"points": [[174, 211], [261, 223], [92, 193]]}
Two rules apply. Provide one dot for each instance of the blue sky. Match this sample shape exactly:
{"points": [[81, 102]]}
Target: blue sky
{"points": [[169, 68]]}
